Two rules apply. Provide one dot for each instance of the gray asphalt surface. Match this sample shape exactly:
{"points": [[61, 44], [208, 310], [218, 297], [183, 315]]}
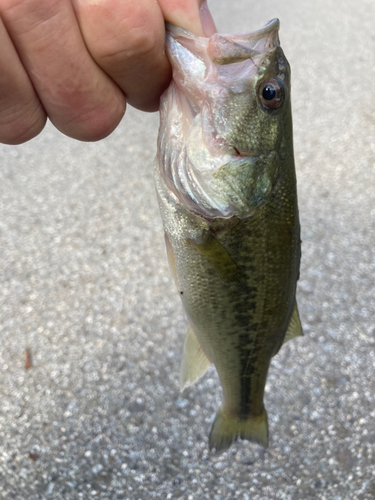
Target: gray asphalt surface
{"points": [[85, 286]]}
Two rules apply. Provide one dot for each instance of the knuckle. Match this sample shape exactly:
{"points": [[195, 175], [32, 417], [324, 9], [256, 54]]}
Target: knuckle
{"points": [[94, 124], [19, 126], [25, 16], [135, 43], [141, 43]]}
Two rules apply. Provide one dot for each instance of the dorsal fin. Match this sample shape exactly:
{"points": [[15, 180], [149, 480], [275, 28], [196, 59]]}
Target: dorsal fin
{"points": [[295, 327], [194, 361]]}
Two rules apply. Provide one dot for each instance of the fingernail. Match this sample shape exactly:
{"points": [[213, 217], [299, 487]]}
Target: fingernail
{"points": [[207, 21]]}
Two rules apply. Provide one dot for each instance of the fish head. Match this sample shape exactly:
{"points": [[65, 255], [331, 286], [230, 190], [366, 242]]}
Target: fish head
{"points": [[247, 114], [231, 98]]}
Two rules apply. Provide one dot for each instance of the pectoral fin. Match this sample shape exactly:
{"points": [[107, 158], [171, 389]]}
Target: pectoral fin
{"points": [[194, 361], [171, 259], [214, 252], [294, 328]]}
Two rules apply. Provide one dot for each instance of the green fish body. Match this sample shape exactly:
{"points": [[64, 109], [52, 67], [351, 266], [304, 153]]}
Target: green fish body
{"points": [[226, 186]]}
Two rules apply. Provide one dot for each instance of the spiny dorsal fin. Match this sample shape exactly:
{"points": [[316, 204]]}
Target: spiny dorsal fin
{"points": [[294, 328], [194, 361]]}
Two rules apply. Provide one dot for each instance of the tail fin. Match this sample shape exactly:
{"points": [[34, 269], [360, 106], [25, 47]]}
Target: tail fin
{"points": [[227, 428]]}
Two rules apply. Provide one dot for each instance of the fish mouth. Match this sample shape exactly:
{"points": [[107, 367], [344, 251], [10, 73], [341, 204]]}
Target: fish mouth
{"points": [[229, 49], [225, 49], [270, 27]]}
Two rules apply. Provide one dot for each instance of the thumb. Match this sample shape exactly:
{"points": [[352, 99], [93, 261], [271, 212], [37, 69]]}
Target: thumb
{"points": [[192, 15]]}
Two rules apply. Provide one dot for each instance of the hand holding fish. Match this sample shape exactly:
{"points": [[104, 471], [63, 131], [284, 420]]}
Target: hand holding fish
{"points": [[79, 62]]}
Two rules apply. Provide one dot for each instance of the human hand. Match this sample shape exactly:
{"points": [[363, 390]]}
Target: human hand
{"points": [[78, 62]]}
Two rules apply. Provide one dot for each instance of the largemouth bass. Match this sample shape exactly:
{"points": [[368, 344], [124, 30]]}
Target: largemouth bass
{"points": [[226, 186]]}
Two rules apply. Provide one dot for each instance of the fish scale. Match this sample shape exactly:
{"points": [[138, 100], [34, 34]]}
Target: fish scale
{"points": [[236, 273]]}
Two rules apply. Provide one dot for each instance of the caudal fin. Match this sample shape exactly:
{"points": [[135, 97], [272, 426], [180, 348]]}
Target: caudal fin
{"points": [[227, 428]]}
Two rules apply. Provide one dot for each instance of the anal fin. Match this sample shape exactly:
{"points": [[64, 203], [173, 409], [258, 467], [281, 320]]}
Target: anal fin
{"points": [[295, 327], [194, 361]]}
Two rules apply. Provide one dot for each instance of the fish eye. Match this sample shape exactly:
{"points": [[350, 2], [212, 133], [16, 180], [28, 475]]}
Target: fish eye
{"points": [[271, 93]]}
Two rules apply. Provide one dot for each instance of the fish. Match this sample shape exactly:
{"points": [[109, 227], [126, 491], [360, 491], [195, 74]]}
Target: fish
{"points": [[226, 185]]}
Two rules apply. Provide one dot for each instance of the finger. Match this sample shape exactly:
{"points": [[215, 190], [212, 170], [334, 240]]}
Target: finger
{"points": [[22, 116], [209, 26], [193, 15], [79, 98], [126, 38]]}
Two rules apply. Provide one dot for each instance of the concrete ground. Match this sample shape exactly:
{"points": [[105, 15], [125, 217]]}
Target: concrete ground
{"points": [[86, 288]]}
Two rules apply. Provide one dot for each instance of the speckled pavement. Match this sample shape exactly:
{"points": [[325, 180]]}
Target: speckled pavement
{"points": [[86, 288]]}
